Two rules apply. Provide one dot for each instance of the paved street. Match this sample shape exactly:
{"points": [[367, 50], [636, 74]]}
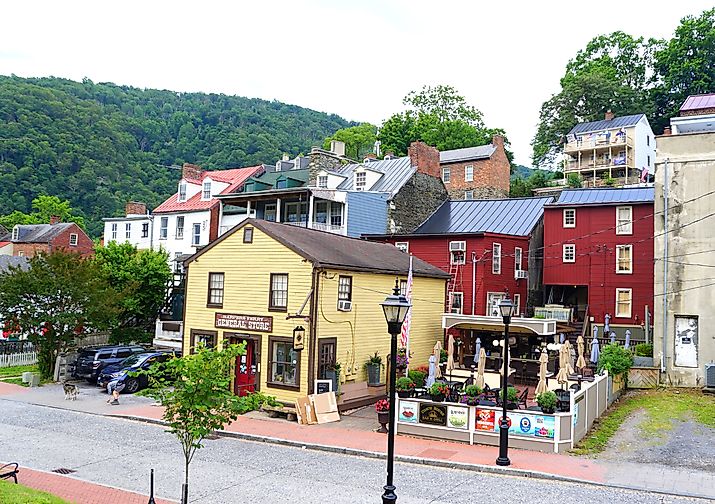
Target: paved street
{"points": [[120, 453]]}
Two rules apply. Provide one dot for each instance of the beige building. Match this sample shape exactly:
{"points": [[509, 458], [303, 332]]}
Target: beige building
{"points": [[684, 314]]}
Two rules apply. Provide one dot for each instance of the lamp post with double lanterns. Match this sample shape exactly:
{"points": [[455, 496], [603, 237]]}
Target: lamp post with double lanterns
{"points": [[506, 308], [395, 308]]}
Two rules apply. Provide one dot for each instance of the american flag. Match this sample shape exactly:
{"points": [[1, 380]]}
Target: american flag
{"points": [[405, 335]]}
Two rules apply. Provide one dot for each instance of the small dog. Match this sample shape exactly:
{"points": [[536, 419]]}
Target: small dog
{"points": [[71, 391]]}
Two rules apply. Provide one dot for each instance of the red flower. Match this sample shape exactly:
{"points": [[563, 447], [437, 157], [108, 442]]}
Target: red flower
{"points": [[382, 405]]}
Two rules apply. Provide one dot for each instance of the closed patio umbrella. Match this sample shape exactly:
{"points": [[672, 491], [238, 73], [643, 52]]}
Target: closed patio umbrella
{"points": [[450, 355], [430, 376], [564, 365], [606, 324], [569, 355], [595, 349], [613, 337], [628, 339], [477, 348], [437, 352], [581, 362], [543, 362], [561, 338], [480, 368]]}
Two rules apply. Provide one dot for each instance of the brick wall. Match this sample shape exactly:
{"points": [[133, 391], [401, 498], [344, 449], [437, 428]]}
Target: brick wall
{"points": [[191, 171], [135, 208], [29, 249], [84, 246], [425, 158], [490, 176]]}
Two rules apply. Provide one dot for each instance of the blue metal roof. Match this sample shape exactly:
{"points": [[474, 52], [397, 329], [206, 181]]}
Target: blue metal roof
{"points": [[606, 196], [616, 122], [512, 216]]}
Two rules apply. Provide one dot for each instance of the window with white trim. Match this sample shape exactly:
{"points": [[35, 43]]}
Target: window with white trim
{"points": [[517, 258], [456, 302], [624, 299], [446, 174], [403, 246], [114, 232], [624, 220], [569, 253], [269, 212], [569, 217], [74, 239], [457, 252], [206, 193], [179, 227], [468, 195], [345, 288], [323, 181], [128, 230], [624, 258], [145, 230], [360, 180], [517, 303], [496, 258], [182, 191], [196, 236], [469, 173]]}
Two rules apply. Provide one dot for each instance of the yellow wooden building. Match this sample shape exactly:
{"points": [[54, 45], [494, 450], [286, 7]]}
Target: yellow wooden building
{"points": [[261, 280]]}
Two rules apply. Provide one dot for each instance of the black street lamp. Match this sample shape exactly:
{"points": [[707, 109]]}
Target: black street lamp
{"points": [[395, 307], [506, 308]]}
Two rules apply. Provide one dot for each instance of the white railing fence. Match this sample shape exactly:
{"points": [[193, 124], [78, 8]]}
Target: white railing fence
{"points": [[18, 359]]}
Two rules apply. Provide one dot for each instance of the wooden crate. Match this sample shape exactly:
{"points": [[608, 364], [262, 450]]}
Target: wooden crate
{"points": [[643, 377]]}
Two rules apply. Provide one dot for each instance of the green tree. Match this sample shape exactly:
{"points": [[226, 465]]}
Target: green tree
{"points": [[685, 65], [59, 297], [359, 140], [141, 276], [45, 207], [195, 391], [521, 187], [574, 180], [444, 103]]}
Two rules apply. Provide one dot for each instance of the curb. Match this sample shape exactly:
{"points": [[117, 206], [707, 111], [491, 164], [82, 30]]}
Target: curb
{"points": [[445, 464]]}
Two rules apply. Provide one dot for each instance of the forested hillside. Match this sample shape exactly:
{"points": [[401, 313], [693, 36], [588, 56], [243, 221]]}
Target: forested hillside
{"points": [[100, 145]]}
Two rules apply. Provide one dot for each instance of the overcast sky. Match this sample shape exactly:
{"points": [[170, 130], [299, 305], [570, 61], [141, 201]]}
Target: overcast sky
{"points": [[356, 59]]}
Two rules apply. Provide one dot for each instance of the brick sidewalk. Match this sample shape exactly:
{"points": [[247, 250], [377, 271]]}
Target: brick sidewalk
{"points": [[78, 491]]}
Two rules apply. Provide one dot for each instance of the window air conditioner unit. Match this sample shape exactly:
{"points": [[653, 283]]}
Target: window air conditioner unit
{"points": [[344, 305], [518, 274], [457, 246], [710, 375]]}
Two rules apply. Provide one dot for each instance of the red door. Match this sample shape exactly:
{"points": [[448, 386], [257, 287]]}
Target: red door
{"points": [[245, 381]]}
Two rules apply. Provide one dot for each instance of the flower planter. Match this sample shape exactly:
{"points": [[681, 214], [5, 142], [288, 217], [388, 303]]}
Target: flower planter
{"points": [[383, 417], [373, 374], [403, 394], [437, 397], [548, 411], [511, 405]]}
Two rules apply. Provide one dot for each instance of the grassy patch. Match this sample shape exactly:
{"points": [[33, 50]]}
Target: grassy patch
{"points": [[18, 370], [661, 408], [19, 494]]}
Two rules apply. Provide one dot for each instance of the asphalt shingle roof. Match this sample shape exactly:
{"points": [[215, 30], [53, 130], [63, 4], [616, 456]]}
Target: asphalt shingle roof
{"points": [[616, 122], [511, 216], [40, 233], [395, 173], [456, 155], [328, 250], [606, 196]]}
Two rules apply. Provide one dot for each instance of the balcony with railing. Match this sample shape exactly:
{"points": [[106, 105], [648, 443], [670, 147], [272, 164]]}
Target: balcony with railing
{"points": [[598, 142], [602, 162]]}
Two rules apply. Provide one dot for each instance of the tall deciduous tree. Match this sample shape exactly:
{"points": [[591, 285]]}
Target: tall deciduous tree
{"points": [[44, 208], [59, 297], [142, 277], [359, 140]]}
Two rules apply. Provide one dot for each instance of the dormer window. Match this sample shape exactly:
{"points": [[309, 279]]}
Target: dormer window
{"points": [[360, 179], [206, 194], [15, 233], [182, 191], [323, 181]]}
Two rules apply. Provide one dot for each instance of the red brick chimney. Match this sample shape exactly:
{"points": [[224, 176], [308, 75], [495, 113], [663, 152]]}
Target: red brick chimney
{"points": [[191, 171], [424, 158], [135, 208], [667, 131], [498, 141], [54, 219], [371, 156], [609, 115]]}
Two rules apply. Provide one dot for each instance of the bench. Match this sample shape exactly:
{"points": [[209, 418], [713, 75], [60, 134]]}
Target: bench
{"points": [[9, 471], [276, 411]]}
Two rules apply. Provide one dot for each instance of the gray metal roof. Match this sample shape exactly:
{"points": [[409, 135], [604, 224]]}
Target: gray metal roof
{"points": [[6, 262], [606, 196], [40, 233], [456, 155], [396, 172], [511, 216], [616, 122]]}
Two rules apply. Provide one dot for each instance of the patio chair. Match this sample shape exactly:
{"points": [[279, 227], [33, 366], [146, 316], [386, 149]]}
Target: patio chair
{"points": [[521, 402], [10, 471]]}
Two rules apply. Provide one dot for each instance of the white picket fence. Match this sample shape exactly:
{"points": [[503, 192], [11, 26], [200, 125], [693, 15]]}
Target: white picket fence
{"points": [[18, 359]]}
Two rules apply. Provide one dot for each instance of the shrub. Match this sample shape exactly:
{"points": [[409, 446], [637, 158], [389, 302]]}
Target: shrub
{"points": [[374, 359], [422, 369], [546, 400], [615, 359], [644, 350], [404, 384], [574, 180], [442, 356], [511, 394], [418, 377], [439, 388], [472, 390]]}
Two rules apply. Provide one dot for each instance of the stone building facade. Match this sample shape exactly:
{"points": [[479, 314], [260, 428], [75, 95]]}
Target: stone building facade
{"points": [[476, 172]]}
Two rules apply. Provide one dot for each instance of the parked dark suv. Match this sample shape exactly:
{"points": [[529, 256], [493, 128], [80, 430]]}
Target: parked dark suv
{"points": [[137, 362], [92, 360]]}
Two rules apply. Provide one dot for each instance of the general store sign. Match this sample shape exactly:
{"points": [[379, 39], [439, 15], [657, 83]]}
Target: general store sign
{"points": [[244, 322]]}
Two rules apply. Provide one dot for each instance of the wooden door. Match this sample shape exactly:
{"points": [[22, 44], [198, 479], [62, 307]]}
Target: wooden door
{"points": [[327, 350], [246, 370]]}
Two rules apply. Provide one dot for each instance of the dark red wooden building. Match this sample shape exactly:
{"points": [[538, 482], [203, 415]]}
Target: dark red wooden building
{"points": [[598, 255]]}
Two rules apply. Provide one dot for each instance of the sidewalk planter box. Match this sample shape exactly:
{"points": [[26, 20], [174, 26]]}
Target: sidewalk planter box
{"points": [[373, 374]]}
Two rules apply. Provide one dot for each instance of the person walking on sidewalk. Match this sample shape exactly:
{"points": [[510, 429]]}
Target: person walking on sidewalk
{"points": [[114, 387]]}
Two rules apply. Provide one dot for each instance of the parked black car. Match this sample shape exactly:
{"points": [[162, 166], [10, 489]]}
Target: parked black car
{"points": [[92, 360], [137, 362]]}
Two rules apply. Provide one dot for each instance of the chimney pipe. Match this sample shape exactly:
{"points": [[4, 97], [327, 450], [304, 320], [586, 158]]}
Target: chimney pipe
{"points": [[609, 115]]}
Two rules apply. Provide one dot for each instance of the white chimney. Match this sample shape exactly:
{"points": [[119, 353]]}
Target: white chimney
{"points": [[337, 147]]}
